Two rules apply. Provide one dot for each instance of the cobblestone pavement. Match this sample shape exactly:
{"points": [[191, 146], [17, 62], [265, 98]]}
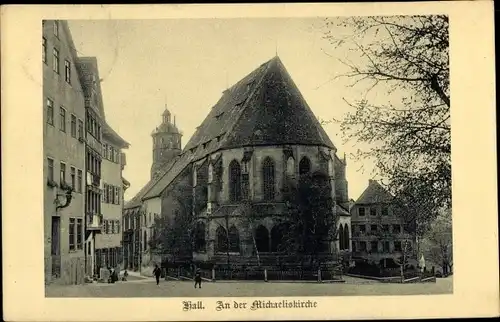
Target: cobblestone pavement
{"points": [[148, 288]]}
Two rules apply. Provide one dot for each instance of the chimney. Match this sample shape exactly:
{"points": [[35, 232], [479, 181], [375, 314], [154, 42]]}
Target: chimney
{"points": [[174, 120]]}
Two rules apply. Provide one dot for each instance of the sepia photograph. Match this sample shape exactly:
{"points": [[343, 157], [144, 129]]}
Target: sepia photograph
{"points": [[249, 162], [306, 156]]}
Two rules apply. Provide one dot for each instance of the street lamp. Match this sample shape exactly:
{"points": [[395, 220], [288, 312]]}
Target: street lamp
{"points": [[67, 194]]}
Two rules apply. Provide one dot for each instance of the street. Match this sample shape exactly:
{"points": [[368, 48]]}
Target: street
{"points": [[148, 288]]}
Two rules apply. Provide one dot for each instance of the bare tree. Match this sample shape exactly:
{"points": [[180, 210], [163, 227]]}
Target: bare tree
{"points": [[406, 255], [175, 229], [406, 59], [441, 242]]}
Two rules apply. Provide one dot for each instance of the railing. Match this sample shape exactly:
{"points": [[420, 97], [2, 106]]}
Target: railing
{"points": [[94, 221], [272, 273]]}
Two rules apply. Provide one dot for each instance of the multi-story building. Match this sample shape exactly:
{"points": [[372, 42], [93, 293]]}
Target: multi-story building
{"points": [[103, 174], [260, 135], [378, 233], [64, 157], [108, 243]]}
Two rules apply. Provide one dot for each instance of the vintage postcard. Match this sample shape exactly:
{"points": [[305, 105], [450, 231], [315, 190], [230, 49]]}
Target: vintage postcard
{"points": [[234, 162]]}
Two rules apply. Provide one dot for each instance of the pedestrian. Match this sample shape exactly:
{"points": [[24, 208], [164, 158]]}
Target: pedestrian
{"points": [[157, 273], [197, 278]]}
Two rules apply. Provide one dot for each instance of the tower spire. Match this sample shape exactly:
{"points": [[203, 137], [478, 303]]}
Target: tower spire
{"points": [[276, 46]]}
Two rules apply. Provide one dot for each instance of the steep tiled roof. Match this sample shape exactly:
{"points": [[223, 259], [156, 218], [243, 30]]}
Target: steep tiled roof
{"points": [[374, 193], [136, 200], [264, 108]]}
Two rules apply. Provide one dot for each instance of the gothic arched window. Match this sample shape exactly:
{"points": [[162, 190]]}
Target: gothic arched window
{"points": [[234, 240], [234, 181], [221, 239], [262, 239], [268, 178], [341, 237], [304, 166], [200, 237]]}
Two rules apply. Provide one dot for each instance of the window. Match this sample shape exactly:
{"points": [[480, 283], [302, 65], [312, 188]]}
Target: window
{"points": [[50, 111], [386, 247], [62, 119], [80, 129], [67, 71], [112, 226], [373, 228], [362, 246], [385, 211], [353, 245], [145, 240], [396, 229], [56, 28], [73, 125], [110, 153], [374, 246], [50, 169], [304, 166], [44, 50], [62, 177], [341, 237], [117, 226], [105, 226], [221, 239], [105, 193], [373, 211], [71, 234], [397, 246], [234, 181], [79, 181], [55, 60], [73, 177], [104, 150], [361, 211], [385, 228], [268, 178], [117, 196], [79, 225], [362, 229]]}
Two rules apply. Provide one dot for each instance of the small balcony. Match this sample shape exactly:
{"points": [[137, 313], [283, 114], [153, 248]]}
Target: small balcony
{"points": [[94, 222]]}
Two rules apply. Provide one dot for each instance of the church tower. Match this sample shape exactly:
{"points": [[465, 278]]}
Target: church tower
{"points": [[166, 142]]}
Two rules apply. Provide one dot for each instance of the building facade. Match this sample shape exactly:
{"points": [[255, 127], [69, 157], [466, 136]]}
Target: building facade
{"points": [[64, 157], [103, 172], [378, 234], [259, 136], [108, 244]]}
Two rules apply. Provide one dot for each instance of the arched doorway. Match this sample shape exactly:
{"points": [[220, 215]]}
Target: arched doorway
{"points": [[262, 239]]}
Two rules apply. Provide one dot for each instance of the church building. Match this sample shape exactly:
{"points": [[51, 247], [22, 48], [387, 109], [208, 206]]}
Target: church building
{"points": [[260, 134]]}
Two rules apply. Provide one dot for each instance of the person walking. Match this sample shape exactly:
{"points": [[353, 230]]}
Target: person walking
{"points": [[157, 274], [197, 278]]}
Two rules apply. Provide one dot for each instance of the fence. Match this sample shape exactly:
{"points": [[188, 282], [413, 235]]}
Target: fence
{"points": [[257, 273]]}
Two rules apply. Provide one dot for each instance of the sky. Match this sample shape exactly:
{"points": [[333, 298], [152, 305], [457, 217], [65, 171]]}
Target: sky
{"points": [[187, 64]]}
